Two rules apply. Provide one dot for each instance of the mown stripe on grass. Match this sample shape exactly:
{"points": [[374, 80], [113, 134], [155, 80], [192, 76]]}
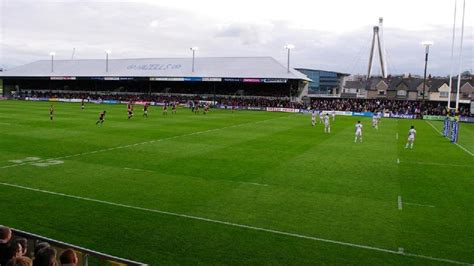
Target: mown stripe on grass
{"points": [[150, 141]]}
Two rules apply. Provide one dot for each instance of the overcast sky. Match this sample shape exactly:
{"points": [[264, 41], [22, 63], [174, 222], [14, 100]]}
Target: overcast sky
{"points": [[329, 35]]}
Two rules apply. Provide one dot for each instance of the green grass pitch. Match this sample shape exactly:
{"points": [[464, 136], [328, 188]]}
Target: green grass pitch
{"points": [[237, 188]]}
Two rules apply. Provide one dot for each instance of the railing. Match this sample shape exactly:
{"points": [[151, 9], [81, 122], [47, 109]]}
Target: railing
{"points": [[84, 254]]}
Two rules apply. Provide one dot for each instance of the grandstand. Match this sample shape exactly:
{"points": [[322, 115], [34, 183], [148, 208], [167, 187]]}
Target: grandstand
{"points": [[262, 76]]}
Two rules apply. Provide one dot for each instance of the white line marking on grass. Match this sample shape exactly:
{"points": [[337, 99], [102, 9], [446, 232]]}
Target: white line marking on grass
{"points": [[429, 123], [418, 204], [396, 252], [464, 149], [396, 136], [255, 184], [137, 169], [400, 204], [441, 164], [13, 165], [398, 160], [457, 144]]}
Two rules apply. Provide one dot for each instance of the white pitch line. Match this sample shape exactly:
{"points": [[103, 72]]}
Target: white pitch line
{"points": [[396, 136], [137, 169], [400, 204], [457, 144], [429, 123], [13, 165], [464, 149], [441, 164], [398, 160], [255, 184], [418, 204], [151, 141], [249, 227]]}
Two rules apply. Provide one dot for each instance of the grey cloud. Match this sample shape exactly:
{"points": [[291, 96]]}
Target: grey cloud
{"points": [[30, 30], [247, 34]]}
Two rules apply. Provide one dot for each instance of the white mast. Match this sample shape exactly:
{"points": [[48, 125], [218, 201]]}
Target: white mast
{"points": [[460, 56], [382, 42], [452, 57]]}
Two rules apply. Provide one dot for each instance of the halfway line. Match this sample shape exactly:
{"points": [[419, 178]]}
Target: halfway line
{"points": [[396, 252]]}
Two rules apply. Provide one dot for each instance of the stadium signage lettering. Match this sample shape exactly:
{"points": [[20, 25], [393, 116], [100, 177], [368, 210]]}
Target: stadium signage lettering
{"points": [[368, 114], [343, 113], [166, 79], [286, 110], [192, 79], [110, 101], [467, 119], [402, 116], [63, 78], [111, 78], [252, 80], [231, 79], [154, 66], [433, 117], [274, 80], [256, 108], [212, 79]]}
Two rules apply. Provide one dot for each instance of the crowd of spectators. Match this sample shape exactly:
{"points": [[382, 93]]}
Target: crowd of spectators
{"points": [[14, 252], [399, 107]]}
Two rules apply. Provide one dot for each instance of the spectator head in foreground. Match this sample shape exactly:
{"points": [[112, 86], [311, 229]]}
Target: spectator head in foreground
{"points": [[45, 257], [15, 250], [68, 258], [22, 242], [20, 261], [40, 246], [5, 234]]}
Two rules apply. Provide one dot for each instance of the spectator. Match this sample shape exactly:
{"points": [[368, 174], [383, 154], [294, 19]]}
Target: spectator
{"points": [[68, 258], [5, 236], [20, 261], [15, 250], [40, 246], [45, 257], [22, 242]]}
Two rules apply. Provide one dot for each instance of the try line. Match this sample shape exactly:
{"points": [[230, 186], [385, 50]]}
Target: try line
{"points": [[457, 144], [249, 227]]}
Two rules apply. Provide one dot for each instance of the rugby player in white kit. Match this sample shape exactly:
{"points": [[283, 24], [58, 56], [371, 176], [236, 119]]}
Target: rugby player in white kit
{"points": [[327, 126], [411, 137], [358, 132], [375, 122], [313, 118]]}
